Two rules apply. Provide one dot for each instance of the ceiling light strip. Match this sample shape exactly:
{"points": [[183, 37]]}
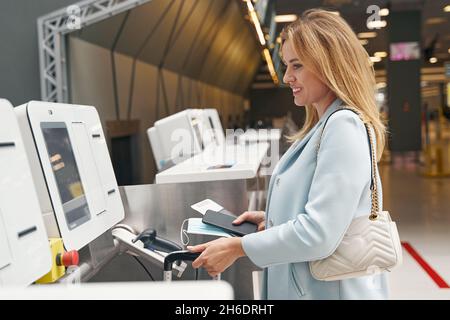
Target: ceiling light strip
{"points": [[285, 18], [262, 40], [367, 35], [254, 17], [270, 65]]}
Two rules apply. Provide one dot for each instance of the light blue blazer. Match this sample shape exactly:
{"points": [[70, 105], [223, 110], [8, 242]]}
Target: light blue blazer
{"points": [[312, 199]]}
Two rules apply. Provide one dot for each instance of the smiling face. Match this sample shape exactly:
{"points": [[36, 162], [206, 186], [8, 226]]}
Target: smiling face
{"points": [[306, 87]]}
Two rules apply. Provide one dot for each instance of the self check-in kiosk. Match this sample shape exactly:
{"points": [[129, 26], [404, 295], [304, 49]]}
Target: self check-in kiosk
{"points": [[183, 135], [180, 130], [72, 171], [24, 250], [77, 189], [207, 155]]}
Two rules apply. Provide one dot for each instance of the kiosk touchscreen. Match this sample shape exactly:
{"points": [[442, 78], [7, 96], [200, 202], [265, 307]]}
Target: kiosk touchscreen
{"points": [[211, 116], [24, 249], [72, 170]]}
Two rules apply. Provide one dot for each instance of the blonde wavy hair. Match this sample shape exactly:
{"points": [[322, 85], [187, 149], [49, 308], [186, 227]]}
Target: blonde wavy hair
{"points": [[327, 46]]}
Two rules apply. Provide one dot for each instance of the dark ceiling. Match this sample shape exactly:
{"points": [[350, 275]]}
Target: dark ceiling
{"points": [[235, 40], [355, 13], [205, 40]]}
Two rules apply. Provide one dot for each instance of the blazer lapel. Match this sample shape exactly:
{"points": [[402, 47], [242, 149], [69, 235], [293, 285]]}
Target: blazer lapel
{"points": [[298, 146], [302, 143], [285, 160]]}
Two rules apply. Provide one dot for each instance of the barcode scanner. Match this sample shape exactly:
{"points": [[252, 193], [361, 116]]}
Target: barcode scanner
{"points": [[153, 242]]}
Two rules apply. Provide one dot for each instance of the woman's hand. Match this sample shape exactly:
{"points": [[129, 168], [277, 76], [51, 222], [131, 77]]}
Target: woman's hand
{"points": [[256, 217], [217, 255]]}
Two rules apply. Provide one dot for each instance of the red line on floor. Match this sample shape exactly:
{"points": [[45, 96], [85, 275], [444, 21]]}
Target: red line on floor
{"points": [[428, 269]]}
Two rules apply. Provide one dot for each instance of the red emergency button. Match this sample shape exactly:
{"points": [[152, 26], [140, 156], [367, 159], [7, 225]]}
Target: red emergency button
{"points": [[70, 258]]}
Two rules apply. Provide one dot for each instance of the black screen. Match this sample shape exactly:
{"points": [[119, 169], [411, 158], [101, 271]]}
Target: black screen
{"points": [[213, 130], [198, 133], [66, 173]]}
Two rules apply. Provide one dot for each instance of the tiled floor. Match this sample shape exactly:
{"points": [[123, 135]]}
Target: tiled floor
{"points": [[421, 208]]}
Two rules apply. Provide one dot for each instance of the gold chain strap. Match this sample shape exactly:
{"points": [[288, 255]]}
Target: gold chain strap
{"points": [[375, 207]]}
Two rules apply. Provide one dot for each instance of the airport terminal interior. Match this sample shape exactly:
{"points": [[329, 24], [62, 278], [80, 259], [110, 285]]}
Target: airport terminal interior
{"points": [[125, 124]]}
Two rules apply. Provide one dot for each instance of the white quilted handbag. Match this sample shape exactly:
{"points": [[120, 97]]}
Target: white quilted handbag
{"points": [[371, 244]]}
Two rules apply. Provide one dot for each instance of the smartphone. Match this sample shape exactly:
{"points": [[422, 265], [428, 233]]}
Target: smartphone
{"points": [[225, 221]]}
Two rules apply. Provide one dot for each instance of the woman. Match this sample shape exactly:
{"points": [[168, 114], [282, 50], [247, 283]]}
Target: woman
{"points": [[314, 194]]}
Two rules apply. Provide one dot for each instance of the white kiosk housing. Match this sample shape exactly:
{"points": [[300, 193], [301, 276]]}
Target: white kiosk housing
{"points": [[180, 134], [184, 134], [156, 146], [72, 170], [198, 136], [24, 249]]}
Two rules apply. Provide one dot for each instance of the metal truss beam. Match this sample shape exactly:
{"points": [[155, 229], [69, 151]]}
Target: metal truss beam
{"points": [[52, 31]]}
